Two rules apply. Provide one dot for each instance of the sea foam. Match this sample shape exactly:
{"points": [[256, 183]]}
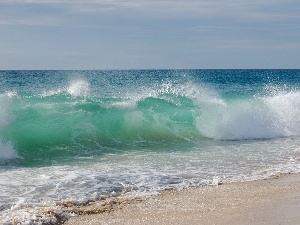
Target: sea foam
{"points": [[6, 148], [255, 118], [79, 87], [133, 133], [7, 151]]}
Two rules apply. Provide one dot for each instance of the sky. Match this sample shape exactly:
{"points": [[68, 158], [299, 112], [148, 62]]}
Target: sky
{"points": [[149, 34]]}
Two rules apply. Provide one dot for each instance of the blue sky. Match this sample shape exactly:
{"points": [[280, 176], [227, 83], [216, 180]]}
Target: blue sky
{"points": [[149, 34]]}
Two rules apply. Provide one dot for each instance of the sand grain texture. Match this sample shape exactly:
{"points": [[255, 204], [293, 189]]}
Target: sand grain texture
{"points": [[272, 201]]}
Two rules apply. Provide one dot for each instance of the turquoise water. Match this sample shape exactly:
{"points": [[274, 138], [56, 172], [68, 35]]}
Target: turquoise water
{"points": [[79, 134]]}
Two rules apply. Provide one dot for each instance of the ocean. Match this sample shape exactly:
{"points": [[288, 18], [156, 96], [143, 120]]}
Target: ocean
{"points": [[79, 135]]}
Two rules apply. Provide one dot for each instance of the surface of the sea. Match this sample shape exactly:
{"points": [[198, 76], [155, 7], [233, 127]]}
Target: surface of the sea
{"points": [[77, 135]]}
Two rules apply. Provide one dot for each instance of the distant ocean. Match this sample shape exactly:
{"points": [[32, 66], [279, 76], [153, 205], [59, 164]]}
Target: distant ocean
{"points": [[77, 135]]}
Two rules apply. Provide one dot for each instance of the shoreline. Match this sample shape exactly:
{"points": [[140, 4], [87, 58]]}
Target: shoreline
{"points": [[275, 200]]}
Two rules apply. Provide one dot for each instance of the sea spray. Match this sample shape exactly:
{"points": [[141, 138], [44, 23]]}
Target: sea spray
{"points": [[74, 122], [240, 120], [6, 148], [79, 87], [7, 152], [76, 135]]}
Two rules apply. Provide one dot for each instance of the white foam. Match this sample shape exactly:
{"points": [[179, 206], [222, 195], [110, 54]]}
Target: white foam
{"points": [[169, 91], [126, 104], [140, 173], [5, 104], [261, 117], [79, 87], [286, 110], [7, 151]]}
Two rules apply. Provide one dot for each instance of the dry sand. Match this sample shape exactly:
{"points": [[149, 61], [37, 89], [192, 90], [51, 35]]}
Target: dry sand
{"points": [[271, 201]]}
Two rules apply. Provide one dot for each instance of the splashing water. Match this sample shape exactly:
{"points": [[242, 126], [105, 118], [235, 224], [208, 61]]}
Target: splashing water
{"points": [[137, 132], [79, 88]]}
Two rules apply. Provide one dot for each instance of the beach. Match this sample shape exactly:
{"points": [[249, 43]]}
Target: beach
{"points": [[271, 201], [107, 142]]}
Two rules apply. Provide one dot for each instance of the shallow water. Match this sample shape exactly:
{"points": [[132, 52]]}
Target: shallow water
{"points": [[81, 134]]}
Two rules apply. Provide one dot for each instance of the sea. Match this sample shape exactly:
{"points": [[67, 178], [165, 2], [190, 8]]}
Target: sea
{"points": [[80, 135]]}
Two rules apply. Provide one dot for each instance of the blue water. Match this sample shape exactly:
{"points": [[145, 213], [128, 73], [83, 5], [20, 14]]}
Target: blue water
{"points": [[79, 134]]}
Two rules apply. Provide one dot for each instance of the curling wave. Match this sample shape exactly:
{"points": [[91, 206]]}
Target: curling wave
{"points": [[72, 123]]}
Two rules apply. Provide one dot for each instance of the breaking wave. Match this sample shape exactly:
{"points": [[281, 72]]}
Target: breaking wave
{"points": [[70, 122]]}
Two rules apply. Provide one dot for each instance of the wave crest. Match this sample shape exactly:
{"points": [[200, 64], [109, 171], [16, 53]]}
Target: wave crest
{"points": [[79, 87], [7, 151], [167, 114], [255, 118]]}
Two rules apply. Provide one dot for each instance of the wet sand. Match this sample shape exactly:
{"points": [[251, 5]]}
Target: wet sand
{"points": [[272, 201]]}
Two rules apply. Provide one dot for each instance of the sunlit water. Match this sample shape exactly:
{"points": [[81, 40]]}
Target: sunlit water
{"points": [[77, 135]]}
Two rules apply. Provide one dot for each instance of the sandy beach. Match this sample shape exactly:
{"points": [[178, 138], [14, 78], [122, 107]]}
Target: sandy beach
{"points": [[271, 201]]}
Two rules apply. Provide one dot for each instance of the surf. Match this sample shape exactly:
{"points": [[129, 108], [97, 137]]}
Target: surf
{"points": [[69, 122], [60, 116], [77, 135]]}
